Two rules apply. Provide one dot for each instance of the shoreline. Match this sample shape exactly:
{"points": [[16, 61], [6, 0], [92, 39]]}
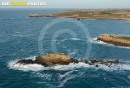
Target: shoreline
{"points": [[89, 14]]}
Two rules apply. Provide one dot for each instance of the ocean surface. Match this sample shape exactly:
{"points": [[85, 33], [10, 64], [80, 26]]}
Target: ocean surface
{"points": [[22, 37]]}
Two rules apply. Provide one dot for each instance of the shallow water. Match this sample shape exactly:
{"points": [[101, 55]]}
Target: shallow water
{"points": [[20, 39]]}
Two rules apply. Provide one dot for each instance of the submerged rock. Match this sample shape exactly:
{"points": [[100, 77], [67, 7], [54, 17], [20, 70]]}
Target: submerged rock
{"points": [[115, 40], [50, 60]]}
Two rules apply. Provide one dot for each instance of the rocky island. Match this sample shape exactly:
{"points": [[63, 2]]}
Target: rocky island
{"points": [[106, 14], [115, 40], [50, 60]]}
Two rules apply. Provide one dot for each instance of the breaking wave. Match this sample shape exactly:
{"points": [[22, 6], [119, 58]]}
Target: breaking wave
{"points": [[94, 40], [64, 73], [127, 21], [75, 39]]}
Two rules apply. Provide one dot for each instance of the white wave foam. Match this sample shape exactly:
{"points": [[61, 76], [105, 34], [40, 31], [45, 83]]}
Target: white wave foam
{"points": [[44, 75], [17, 32], [29, 67], [61, 78], [18, 35], [90, 19], [75, 39], [94, 40], [67, 78], [71, 66], [129, 76], [127, 21], [11, 18]]}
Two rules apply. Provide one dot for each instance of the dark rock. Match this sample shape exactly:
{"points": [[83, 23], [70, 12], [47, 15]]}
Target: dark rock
{"points": [[78, 19], [94, 61], [84, 61], [96, 66], [74, 60], [116, 61], [30, 61]]}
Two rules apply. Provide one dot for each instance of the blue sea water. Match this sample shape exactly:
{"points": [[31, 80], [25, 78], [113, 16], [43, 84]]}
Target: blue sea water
{"points": [[24, 38]]}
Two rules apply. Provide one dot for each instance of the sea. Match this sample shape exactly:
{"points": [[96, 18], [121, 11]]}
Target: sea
{"points": [[22, 37]]}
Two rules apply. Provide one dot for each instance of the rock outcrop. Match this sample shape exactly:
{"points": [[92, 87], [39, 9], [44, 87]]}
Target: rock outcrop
{"points": [[36, 15], [115, 40], [40, 15], [53, 59], [50, 60]]}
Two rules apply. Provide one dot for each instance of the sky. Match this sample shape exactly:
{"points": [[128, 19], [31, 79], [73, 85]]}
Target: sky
{"points": [[80, 3]]}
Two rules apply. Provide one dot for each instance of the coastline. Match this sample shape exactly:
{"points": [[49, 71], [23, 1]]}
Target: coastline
{"points": [[89, 14]]}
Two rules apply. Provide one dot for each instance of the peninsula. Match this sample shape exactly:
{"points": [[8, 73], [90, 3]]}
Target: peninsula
{"points": [[106, 14], [115, 40]]}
